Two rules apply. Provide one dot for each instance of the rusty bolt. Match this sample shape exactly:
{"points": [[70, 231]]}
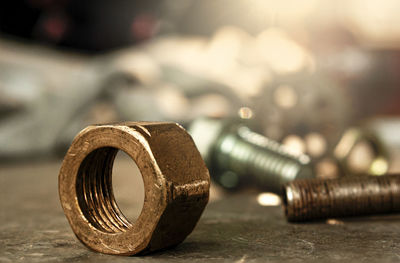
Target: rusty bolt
{"points": [[311, 199], [175, 178]]}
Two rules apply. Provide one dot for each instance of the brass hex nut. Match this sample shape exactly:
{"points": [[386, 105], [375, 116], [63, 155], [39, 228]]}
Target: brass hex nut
{"points": [[175, 177]]}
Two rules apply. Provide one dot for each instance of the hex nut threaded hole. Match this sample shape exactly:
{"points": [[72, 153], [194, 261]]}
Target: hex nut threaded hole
{"points": [[95, 191]]}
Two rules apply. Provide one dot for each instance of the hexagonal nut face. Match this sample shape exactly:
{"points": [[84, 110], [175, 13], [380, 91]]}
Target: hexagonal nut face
{"points": [[175, 177]]}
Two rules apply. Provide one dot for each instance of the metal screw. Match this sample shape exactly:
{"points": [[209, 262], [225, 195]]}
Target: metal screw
{"points": [[347, 196], [237, 156]]}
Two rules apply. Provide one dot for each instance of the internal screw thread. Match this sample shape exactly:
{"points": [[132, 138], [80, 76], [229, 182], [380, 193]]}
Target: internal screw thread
{"points": [[95, 193], [348, 196], [255, 159]]}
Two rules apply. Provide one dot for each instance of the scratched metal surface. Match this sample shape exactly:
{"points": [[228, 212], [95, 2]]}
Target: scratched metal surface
{"points": [[33, 228]]}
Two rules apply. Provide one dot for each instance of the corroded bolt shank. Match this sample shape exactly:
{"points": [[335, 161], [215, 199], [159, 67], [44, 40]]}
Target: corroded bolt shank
{"points": [[347, 196], [175, 178]]}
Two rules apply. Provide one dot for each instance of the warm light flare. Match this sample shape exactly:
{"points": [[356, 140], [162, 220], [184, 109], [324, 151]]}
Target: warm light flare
{"points": [[269, 199]]}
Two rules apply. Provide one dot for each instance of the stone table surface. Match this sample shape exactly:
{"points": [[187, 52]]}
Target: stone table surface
{"points": [[233, 228]]}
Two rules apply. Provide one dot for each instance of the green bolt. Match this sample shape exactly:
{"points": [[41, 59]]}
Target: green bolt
{"points": [[237, 156]]}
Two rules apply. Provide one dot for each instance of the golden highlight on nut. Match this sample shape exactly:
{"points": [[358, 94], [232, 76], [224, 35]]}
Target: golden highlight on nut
{"points": [[175, 178]]}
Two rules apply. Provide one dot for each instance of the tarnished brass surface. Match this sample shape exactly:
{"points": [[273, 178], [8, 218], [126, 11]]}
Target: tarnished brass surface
{"points": [[176, 183]]}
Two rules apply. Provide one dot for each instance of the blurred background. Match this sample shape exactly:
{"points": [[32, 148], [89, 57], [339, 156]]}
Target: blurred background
{"points": [[321, 77]]}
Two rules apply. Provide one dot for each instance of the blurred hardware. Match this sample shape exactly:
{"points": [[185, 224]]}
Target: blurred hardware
{"points": [[46, 91], [237, 156], [309, 106], [387, 130], [175, 177], [349, 196], [361, 152], [47, 96]]}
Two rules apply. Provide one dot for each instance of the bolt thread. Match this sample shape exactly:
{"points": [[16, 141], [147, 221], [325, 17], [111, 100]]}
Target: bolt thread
{"points": [[256, 158], [348, 196]]}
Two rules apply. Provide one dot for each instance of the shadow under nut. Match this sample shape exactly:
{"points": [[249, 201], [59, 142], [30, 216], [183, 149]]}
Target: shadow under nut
{"points": [[175, 178]]}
